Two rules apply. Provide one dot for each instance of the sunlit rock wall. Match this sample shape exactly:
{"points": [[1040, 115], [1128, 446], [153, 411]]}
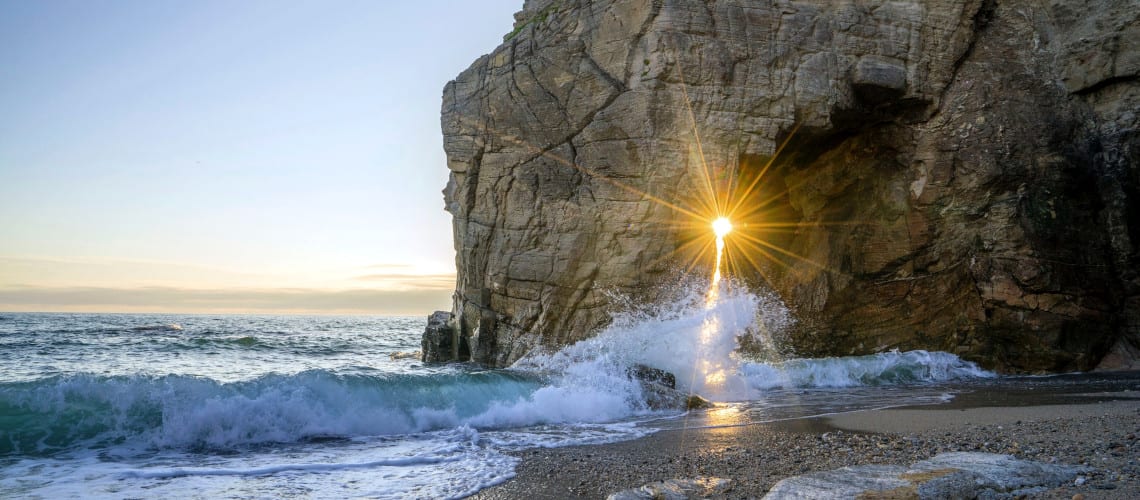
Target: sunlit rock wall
{"points": [[961, 175]]}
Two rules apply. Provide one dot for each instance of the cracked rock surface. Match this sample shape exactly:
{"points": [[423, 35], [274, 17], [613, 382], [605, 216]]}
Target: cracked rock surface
{"points": [[961, 175]]}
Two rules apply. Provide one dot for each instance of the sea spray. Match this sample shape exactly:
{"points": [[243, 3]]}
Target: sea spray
{"points": [[697, 339], [887, 368], [689, 336]]}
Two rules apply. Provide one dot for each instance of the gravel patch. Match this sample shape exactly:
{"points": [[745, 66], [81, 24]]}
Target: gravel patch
{"points": [[1102, 436]]}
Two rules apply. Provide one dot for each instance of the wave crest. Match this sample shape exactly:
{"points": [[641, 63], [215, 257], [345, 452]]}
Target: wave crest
{"points": [[60, 413]]}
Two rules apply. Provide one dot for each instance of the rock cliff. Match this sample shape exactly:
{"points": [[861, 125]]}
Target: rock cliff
{"points": [[956, 175]]}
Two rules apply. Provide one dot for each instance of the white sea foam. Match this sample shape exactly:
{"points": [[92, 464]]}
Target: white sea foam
{"points": [[892, 367], [443, 464], [277, 469], [697, 340], [690, 338], [172, 327]]}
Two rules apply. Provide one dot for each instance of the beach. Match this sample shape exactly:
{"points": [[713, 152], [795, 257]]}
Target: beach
{"points": [[1098, 430]]}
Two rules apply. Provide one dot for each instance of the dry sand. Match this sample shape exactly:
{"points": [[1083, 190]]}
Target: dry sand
{"points": [[1100, 431]]}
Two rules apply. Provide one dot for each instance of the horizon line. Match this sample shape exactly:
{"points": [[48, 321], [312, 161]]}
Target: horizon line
{"points": [[171, 300], [208, 313]]}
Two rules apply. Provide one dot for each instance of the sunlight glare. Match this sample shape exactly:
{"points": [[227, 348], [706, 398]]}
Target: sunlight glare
{"points": [[721, 227]]}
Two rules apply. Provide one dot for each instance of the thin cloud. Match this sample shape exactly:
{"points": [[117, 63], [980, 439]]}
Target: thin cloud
{"points": [[390, 266], [413, 281], [114, 272], [15, 260]]}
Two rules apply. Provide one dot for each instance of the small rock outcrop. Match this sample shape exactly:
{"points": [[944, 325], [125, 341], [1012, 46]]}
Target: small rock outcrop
{"points": [[676, 489], [651, 375], [659, 389], [441, 341], [953, 175]]}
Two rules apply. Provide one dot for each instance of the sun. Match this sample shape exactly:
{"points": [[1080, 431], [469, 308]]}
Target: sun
{"points": [[721, 227]]}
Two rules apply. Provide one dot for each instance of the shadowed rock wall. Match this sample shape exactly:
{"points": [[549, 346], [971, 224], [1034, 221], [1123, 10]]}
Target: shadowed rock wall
{"points": [[960, 175]]}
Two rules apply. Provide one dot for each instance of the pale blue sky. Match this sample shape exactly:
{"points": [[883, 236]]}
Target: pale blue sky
{"points": [[228, 145]]}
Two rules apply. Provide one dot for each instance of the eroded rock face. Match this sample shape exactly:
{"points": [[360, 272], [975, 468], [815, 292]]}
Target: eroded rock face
{"points": [[959, 175]]}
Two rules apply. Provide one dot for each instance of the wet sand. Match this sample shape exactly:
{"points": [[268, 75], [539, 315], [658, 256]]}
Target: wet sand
{"points": [[1097, 429]]}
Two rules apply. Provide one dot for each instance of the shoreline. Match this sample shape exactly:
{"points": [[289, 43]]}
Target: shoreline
{"points": [[1100, 430]]}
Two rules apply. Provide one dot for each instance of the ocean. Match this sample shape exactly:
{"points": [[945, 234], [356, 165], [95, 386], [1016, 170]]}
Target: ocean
{"points": [[224, 406]]}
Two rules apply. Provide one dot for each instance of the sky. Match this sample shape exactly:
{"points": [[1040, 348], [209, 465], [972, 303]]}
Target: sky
{"points": [[221, 156]]}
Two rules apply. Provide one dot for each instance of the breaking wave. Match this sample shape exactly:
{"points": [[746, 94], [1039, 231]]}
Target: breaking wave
{"points": [[872, 370], [697, 340], [176, 411]]}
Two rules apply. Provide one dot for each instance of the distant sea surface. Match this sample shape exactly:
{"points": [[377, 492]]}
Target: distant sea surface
{"points": [[224, 406]]}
